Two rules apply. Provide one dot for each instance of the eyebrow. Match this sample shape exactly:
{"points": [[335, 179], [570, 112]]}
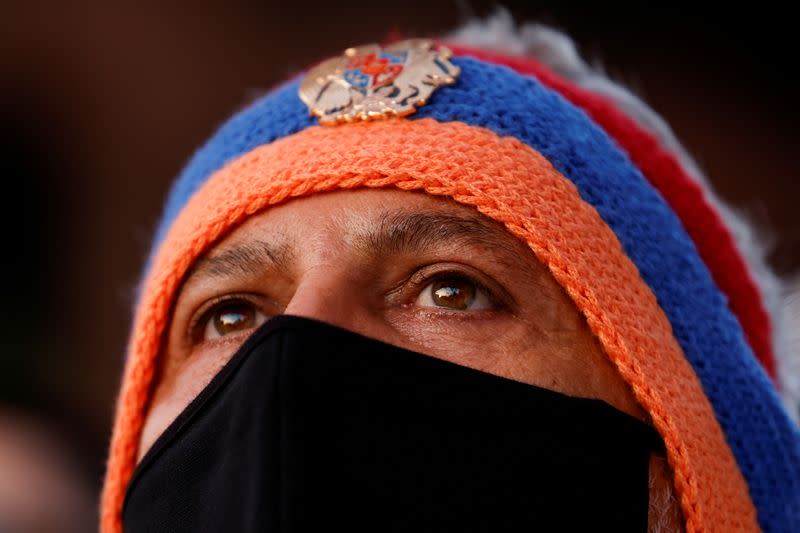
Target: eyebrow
{"points": [[404, 232], [244, 259], [396, 232]]}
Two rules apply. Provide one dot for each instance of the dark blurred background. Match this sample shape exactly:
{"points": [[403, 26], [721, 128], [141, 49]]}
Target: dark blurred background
{"points": [[103, 103]]}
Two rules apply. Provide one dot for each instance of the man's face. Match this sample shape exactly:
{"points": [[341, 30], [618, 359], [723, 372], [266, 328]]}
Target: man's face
{"points": [[417, 271]]}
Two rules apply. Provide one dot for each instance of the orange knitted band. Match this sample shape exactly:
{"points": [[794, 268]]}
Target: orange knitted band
{"points": [[505, 180]]}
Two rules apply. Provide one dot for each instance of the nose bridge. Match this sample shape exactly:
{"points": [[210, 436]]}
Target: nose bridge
{"points": [[325, 293]]}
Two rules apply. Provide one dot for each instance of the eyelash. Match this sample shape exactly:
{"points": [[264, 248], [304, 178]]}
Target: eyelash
{"points": [[197, 325], [421, 280], [408, 291]]}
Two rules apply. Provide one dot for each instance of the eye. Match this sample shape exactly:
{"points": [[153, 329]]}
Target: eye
{"points": [[231, 317], [456, 293]]}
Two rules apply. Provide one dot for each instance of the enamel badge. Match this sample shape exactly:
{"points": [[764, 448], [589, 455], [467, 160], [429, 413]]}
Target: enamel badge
{"points": [[370, 82]]}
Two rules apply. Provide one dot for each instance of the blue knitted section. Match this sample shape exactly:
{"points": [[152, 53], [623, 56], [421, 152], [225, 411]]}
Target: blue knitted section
{"points": [[278, 114], [763, 439]]}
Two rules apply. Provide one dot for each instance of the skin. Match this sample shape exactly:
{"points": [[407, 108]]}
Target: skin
{"points": [[365, 260]]}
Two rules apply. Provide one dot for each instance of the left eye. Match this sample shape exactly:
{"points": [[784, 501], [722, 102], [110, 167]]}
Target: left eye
{"points": [[232, 317], [455, 293]]}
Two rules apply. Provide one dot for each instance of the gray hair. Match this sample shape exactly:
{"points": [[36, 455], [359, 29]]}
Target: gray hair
{"points": [[664, 511]]}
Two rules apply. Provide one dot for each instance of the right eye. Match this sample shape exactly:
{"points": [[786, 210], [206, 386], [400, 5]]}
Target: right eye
{"points": [[455, 292], [231, 317]]}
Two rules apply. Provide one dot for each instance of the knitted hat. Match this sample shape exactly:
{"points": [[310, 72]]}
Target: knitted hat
{"points": [[607, 201]]}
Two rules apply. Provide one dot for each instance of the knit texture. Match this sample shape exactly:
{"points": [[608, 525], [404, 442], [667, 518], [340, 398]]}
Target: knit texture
{"points": [[685, 196], [758, 430], [507, 181]]}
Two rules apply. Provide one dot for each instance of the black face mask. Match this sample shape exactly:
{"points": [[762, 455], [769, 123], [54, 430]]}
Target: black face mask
{"points": [[310, 427]]}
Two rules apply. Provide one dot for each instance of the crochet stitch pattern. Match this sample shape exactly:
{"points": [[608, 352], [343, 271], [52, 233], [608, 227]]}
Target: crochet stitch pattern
{"points": [[662, 169], [671, 300], [507, 181], [763, 438]]}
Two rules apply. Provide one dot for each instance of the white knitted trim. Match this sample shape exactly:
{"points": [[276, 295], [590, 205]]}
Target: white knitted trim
{"points": [[498, 32]]}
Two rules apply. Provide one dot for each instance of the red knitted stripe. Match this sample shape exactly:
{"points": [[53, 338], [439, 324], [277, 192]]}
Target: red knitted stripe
{"points": [[712, 238]]}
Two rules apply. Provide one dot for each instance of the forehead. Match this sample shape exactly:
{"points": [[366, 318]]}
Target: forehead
{"points": [[372, 222], [360, 209]]}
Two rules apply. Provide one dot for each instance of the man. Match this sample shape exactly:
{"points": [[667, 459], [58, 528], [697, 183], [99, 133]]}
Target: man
{"points": [[418, 289]]}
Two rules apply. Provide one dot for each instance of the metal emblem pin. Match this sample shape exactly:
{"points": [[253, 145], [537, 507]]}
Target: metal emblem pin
{"points": [[369, 82]]}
